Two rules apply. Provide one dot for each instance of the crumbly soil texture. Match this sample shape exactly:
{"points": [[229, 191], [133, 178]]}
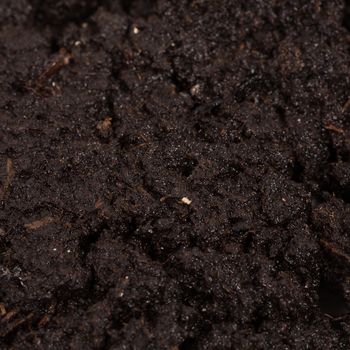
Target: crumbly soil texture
{"points": [[174, 174]]}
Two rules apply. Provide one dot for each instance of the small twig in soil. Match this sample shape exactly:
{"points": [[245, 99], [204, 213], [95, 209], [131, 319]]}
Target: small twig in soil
{"points": [[2, 309], [334, 128], [62, 59], [9, 315], [334, 250], [44, 321], [12, 326], [340, 318], [47, 317], [35, 225]]}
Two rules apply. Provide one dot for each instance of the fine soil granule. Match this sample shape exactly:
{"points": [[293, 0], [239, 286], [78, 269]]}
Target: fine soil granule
{"points": [[175, 174]]}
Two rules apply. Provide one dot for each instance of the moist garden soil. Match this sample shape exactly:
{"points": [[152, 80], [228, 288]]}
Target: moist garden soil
{"points": [[175, 174]]}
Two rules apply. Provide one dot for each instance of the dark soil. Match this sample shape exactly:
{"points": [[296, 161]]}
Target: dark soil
{"points": [[174, 174]]}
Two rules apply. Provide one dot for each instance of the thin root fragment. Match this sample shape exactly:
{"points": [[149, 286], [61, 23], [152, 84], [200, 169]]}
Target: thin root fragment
{"points": [[333, 249], [35, 225], [15, 324], [334, 128], [62, 59]]}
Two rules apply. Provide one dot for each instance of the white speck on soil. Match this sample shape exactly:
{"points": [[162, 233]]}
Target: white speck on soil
{"points": [[195, 89], [186, 200]]}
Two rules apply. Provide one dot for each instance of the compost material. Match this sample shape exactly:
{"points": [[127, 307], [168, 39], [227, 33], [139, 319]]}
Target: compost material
{"points": [[174, 174]]}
